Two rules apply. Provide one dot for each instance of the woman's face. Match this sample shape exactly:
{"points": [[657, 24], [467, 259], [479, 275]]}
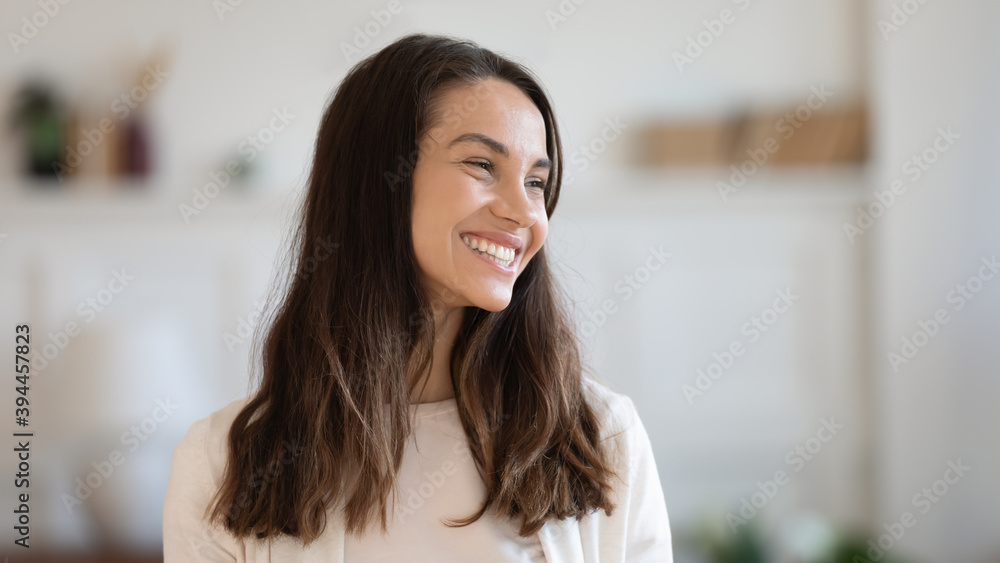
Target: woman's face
{"points": [[479, 178]]}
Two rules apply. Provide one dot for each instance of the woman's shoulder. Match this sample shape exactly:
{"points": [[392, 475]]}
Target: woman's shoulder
{"points": [[615, 410], [206, 441], [639, 528], [196, 469]]}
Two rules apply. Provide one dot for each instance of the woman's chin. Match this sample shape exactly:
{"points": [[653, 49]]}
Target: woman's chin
{"points": [[492, 303]]}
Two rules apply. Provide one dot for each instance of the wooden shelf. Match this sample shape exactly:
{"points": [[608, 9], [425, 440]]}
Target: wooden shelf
{"points": [[653, 190]]}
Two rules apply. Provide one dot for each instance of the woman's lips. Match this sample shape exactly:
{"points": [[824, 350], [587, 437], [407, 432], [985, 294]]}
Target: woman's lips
{"points": [[499, 267]]}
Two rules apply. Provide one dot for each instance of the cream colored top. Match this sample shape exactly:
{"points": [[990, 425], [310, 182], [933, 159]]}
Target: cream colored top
{"points": [[438, 480], [438, 471]]}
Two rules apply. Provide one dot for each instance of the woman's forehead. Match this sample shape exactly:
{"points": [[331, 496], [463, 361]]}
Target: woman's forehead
{"points": [[501, 112]]}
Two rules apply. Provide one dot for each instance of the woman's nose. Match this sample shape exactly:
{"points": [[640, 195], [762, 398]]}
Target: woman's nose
{"points": [[514, 203]]}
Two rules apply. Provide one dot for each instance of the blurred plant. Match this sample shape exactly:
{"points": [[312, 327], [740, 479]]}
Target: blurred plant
{"points": [[720, 545], [811, 539], [39, 116], [854, 549], [805, 539], [245, 168]]}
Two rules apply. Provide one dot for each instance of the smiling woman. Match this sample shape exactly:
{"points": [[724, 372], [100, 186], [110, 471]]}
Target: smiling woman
{"points": [[487, 185], [437, 323]]}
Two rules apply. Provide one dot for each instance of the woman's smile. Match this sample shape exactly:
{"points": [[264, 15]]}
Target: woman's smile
{"points": [[501, 258]]}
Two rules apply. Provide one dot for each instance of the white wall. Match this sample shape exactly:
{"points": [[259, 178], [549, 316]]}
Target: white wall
{"points": [[939, 70]]}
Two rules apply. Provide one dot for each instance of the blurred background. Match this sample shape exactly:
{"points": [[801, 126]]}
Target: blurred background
{"points": [[778, 230]]}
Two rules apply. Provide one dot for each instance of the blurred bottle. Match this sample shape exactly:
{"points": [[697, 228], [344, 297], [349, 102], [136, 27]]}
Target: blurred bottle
{"points": [[136, 146], [40, 117]]}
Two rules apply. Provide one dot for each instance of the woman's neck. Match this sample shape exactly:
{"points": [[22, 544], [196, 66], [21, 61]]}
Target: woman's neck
{"points": [[438, 381]]}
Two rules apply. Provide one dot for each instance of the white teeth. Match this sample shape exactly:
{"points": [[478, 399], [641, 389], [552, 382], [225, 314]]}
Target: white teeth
{"points": [[499, 254]]}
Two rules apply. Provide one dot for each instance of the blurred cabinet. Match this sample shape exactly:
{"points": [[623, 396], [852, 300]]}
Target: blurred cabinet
{"points": [[128, 307], [737, 346]]}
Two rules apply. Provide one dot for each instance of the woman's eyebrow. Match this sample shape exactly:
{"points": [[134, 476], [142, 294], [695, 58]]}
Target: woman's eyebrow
{"points": [[495, 146]]}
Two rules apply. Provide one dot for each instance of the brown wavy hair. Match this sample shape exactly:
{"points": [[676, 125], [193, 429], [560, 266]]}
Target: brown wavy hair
{"points": [[354, 324]]}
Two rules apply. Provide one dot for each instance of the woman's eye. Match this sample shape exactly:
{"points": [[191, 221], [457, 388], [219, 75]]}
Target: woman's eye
{"points": [[485, 165], [537, 184]]}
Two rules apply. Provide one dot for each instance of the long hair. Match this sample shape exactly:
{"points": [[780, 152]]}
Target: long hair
{"points": [[355, 323]]}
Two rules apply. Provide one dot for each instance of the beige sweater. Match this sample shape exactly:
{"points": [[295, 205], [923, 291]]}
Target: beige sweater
{"points": [[637, 531]]}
